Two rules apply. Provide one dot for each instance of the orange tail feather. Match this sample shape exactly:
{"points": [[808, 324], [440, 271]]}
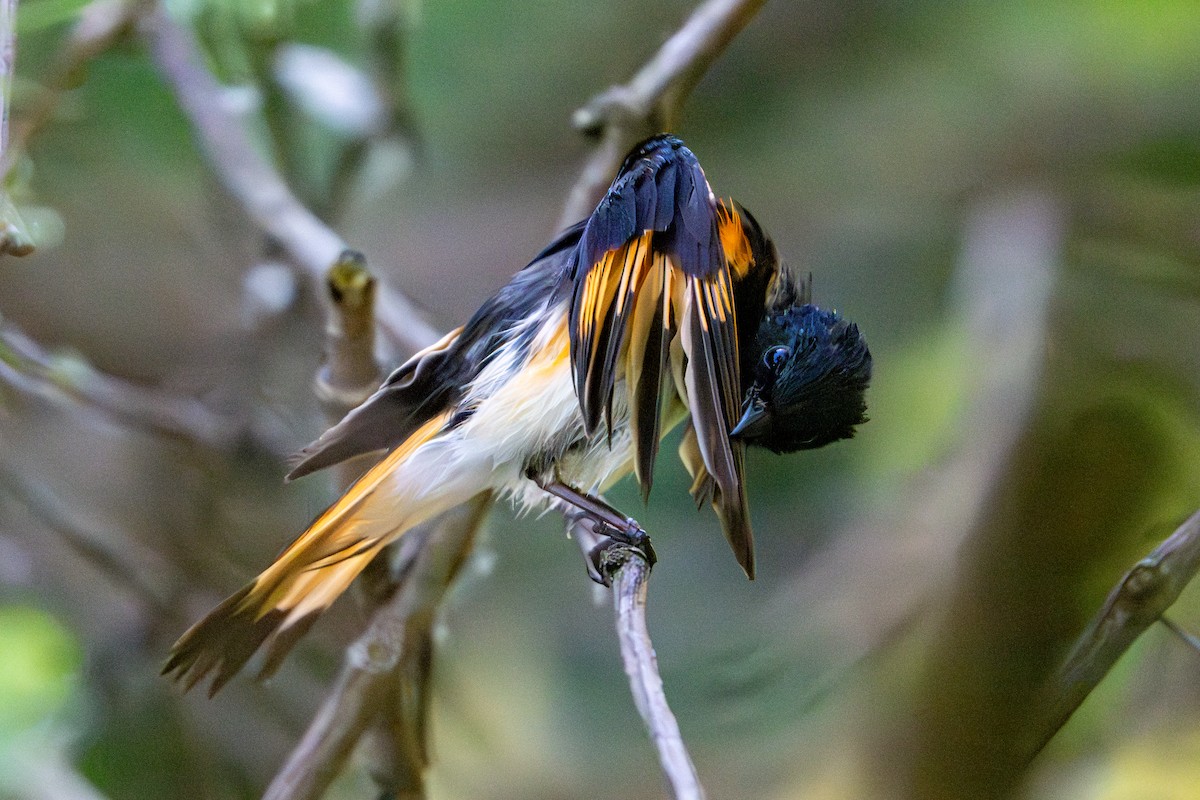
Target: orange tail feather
{"points": [[280, 605]]}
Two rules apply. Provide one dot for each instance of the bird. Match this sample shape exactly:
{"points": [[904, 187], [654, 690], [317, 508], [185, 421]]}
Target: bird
{"points": [[665, 306]]}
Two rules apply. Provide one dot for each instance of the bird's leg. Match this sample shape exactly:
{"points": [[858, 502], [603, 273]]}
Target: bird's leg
{"points": [[614, 528]]}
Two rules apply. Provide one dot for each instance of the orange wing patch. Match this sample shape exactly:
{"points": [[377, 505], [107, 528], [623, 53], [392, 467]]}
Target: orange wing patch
{"points": [[654, 296]]}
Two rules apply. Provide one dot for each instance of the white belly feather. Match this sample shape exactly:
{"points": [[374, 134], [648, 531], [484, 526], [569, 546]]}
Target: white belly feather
{"points": [[535, 419]]}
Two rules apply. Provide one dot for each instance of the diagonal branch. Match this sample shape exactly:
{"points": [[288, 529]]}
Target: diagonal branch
{"points": [[254, 183], [628, 572], [1137, 602], [108, 552], [623, 115], [27, 368]]}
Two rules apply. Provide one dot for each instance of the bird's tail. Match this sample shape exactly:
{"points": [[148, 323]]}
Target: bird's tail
{"points": [[278, 606]]}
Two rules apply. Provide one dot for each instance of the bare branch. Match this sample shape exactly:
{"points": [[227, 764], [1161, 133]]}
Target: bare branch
{"points": [[641, 666], [254, 183], [348, 377], [71, 381], [620, 117], [651, 101], [629, 572], [362, 688], [1137, 602]]}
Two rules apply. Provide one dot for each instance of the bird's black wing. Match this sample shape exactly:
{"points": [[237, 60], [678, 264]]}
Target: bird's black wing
{"points": [[657, 260]]}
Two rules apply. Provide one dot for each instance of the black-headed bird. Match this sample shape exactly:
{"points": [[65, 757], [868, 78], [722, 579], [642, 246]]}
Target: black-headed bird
{"points": [[665, 305]]}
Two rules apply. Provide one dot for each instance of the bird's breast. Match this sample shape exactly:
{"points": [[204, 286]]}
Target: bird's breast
{"points": [[525, 415]]}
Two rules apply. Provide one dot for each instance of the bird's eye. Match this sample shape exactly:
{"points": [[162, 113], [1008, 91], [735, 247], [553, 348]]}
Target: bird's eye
{"points": [[776, 357]]}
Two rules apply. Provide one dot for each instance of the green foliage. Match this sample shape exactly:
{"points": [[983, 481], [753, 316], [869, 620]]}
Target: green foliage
{"points": [[39, 667], [36, 15]]}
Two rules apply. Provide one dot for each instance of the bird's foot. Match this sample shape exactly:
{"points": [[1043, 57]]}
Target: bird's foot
{"points": [[620, 537], [616, 547]]}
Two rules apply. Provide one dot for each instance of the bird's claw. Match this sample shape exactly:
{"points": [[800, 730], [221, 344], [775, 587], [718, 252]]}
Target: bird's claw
{"points": [[617, 546]]}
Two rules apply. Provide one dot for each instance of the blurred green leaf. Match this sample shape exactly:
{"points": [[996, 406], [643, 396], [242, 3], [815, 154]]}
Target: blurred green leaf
{"points": [[34, 15], [916, 399], [39, 660], [15, 236]]}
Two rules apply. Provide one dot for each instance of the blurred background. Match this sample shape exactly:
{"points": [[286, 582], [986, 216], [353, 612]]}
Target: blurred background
{"points": [[1004, 195]]}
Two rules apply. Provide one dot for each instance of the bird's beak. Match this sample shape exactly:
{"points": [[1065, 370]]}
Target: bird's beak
{"points": [[754, 418]]}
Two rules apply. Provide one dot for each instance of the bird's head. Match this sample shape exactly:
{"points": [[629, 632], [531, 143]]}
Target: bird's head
{"points": [[808, 381]]}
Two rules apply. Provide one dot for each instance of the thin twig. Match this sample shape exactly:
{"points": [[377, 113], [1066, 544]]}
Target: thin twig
{"points": [[254, 183], [1134, 604], [628, 571], [362, 687], [651, 101], [70, 381], [641, 666], [1185, 636]]}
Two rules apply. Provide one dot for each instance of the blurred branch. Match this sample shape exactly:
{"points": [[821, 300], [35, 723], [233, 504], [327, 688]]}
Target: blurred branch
{"points": [[71, 381], [8, 56], [1138, 601], [628, 572], [101, 549], [362, 688], [253, 182], [1186, 636], [623, 115]]}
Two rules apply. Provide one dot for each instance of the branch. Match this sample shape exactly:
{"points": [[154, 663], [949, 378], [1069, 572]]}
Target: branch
{"points": [[362, 688], [623, 115], [70, 381], [107, 552], [620, 117], [628, 572], [349, 375], [253, 182], [1137, 602]]}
